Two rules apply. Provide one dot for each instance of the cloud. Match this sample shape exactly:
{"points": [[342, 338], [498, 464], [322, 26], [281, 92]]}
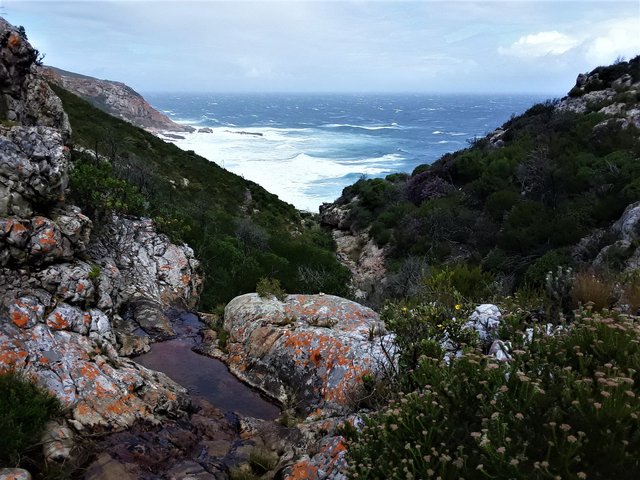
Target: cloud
{"points": [[618, 38], [541, 44]]}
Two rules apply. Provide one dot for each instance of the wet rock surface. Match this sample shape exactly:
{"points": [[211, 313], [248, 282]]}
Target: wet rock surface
{"points": [[206, 378]]}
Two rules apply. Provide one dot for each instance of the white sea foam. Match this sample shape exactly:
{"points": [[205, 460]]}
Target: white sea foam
{"points": [[287, 161], [392, 126]]}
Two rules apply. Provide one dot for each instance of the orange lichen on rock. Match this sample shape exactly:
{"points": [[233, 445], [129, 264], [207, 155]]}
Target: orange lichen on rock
{"points": [[14, 40], [58, 322], [19, 318], [10, 358], [89, 371], [303, 470]]}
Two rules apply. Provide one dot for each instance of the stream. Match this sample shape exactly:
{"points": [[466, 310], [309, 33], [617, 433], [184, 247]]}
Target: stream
{"points": [[204, 377]]}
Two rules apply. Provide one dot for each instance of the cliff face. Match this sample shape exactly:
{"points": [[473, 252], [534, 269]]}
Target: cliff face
{"points": [[115, 98], [69, 300]]}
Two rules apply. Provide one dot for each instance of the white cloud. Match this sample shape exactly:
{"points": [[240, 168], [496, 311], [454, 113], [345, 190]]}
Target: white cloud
{"points": [[618, 38], [540, 44]]}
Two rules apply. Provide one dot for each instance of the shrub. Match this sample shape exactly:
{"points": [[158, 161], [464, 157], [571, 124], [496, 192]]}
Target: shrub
{"points": [[26, 408], [422, 329], [261, 461], [268, 287], [455, 283], [549, 262], [587, 288], [94, 273], [565, 407]]}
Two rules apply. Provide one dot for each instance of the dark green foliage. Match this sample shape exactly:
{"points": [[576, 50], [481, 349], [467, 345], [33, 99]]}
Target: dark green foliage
{"points": [[97, 190], [25, 409], [270, 287], [239, 231], [608, 74], [549, 262]]}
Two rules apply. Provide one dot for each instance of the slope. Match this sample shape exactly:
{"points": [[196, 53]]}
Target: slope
{"points": [[517, 202], [238, 230]]}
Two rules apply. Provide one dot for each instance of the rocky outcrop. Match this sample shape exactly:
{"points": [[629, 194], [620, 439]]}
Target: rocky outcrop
{"points": [[311, 351], [115, 98], [611, 91], [14, 474], [616, 247], [25, 98], [60, 293], [357, 251]]}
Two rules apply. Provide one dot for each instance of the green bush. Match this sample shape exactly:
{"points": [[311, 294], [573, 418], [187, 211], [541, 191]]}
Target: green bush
{"points": [[566, 406], [421, 329], [549, 262], [25, 409], [270, 287], [456, 283]]}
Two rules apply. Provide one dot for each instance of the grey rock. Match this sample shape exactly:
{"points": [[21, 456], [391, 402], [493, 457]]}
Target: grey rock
{"points": [[69, 281], [622, 240], [336, 216], [67, 317], [314, 348], [57, 442], [485, 320], [23, 312]]}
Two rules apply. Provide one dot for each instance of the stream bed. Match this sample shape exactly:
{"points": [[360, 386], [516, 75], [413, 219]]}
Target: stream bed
{"points": [[204, 377]]}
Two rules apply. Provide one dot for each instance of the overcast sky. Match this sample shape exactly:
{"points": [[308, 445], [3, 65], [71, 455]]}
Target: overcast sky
{"points": [[343, 46]]}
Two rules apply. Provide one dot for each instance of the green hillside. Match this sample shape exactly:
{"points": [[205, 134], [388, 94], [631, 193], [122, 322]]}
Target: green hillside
{"points": [[514, 203], [239, 231]]}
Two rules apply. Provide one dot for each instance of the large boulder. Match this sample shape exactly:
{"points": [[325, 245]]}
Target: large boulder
{"points": [[311, 351]]}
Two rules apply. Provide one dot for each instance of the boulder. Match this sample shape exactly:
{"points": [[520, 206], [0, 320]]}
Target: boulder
{"points": [[57, 442], [311, 351], [485, 320], [335, 216], [329, 463], [14, 473], [616, 244], [143, 264]]}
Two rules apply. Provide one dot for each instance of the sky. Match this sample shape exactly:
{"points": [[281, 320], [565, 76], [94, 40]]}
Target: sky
{"points": [[332, 46]]}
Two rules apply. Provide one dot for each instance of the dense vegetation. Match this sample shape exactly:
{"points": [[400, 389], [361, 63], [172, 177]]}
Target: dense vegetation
{"points": [[514, 204], [565, 406], [239, 231], [560, 399], [25, 408]]}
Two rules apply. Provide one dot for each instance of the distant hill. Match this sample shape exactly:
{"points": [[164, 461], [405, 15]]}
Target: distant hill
{"points": [[115, 98]]}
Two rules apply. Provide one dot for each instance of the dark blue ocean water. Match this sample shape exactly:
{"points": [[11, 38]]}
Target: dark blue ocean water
{"points": [[306, 148]]}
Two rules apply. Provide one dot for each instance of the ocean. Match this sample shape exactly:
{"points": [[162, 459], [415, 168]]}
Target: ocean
{"points": [[306, 148]]}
